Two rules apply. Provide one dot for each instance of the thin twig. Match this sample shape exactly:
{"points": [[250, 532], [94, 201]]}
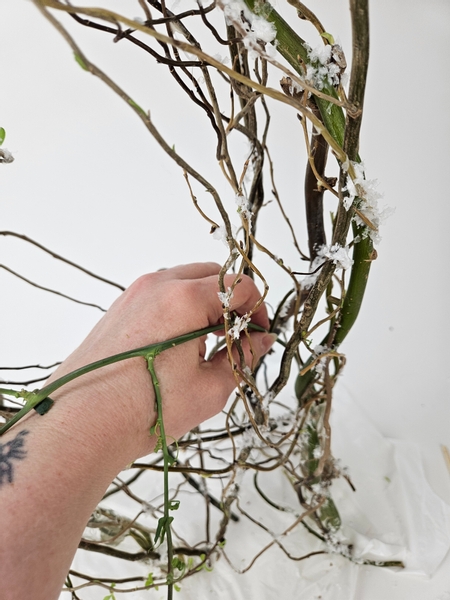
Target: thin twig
{"points": [[46, 289], [59, 257]]}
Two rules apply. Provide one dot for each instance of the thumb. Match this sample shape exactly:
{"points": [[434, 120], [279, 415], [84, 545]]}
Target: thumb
{"points": [[261, 343], [221, 380]]}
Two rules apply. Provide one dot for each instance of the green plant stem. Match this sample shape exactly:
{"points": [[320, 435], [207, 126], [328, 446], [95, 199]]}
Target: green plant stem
{"points": [[34, 398], [13, 393], [167, 459], [345, 131], [362, 261], [362, 257], [363, 250], [295, 50]]}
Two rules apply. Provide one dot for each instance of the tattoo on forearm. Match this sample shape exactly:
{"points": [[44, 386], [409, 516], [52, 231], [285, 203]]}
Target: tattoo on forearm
{"points": [[12, 450]]}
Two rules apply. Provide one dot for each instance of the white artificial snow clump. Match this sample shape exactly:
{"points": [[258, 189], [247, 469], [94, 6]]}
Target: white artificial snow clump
{"points": [[220, 233], [225, 297], [351, 184], [267, 399], [243, 206], [322, 69], [256, 30], [240, 323], [338, 254], [321, 54], [261, 30], [319, 366], [365, 190], [317, 453]]}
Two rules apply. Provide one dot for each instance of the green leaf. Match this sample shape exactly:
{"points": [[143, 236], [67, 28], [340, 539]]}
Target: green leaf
{"points": [[174, 505], [2, 135], [160, 530], [176, 587], [163, 525], [158, 445], [329, 515], [110, 596], [178, 564], [149, 580], [142, 538], [204, 566]]}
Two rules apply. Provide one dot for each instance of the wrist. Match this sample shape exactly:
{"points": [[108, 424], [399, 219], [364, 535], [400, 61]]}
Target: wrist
{"points": [[111, 409]]}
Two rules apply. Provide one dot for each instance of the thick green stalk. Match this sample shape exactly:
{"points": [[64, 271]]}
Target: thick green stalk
{"points": [[345, 130], [363, 256], [363, 253], [295, 50]]}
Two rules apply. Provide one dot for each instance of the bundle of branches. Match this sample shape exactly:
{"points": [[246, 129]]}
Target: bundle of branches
{"points": [[268, 64]]}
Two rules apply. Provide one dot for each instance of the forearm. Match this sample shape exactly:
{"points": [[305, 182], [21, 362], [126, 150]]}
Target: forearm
{"points": [[56, 467], [65, 461]]}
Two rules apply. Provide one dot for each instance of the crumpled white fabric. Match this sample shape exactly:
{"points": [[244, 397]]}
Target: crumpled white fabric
{"points": [[393, 515]]}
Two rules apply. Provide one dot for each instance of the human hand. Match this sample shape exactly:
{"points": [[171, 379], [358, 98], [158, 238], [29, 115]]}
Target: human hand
{"points": [[157, 307]]}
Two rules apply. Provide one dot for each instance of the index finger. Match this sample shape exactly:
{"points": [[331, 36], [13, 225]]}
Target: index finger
{"points": [[197, 270], [242, 298]]}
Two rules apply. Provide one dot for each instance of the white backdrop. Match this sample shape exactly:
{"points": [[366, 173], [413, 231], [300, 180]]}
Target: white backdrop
{"points": [[90, 183]]}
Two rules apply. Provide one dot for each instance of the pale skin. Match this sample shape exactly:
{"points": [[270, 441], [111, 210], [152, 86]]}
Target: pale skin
{"points": [[62, 463]]}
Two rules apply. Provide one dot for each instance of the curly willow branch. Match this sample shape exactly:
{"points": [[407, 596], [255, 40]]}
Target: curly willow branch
{"points": [[259, 431]]}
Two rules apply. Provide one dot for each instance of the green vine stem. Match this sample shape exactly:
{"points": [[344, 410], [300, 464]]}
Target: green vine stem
{"points": [[164, 524], [36, 397]]}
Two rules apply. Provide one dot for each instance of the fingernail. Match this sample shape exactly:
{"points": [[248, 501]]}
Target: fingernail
{"points": [[267, 341]]}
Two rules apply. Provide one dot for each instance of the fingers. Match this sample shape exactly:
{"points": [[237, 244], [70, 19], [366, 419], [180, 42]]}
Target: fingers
{"points": [[243, 298], [259, 345], [201, 289], [162, 305], [217, 373], [254, 349], [191, 271]]}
